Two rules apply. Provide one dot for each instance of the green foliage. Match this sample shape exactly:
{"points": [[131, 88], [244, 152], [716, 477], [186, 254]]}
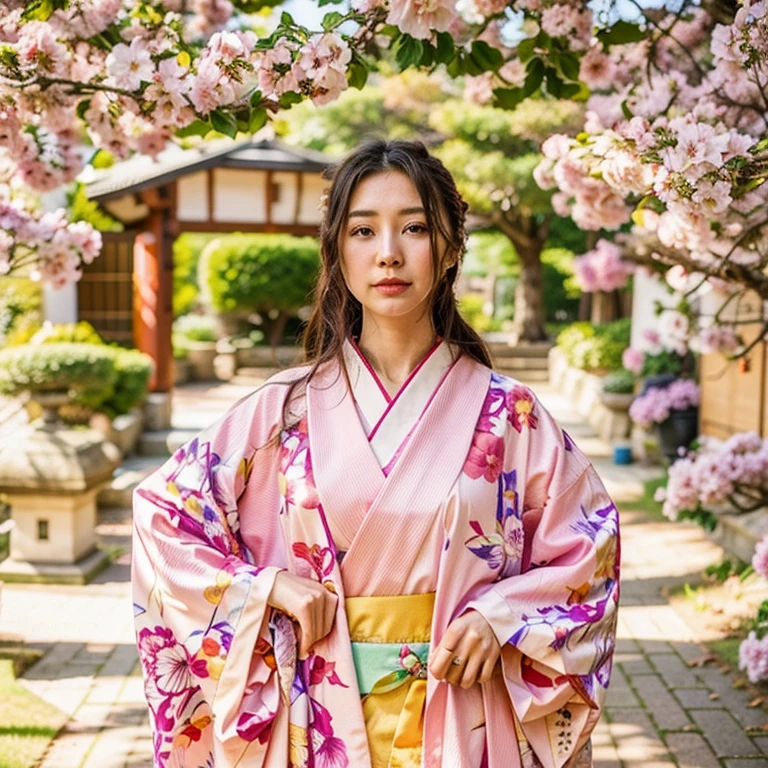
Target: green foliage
{"points": [[665, 361], [491, 181], [186, 255], [83, 209], [490, 252], [561, 294], [59, 358], [133, 370], [20, 307], [54, 333], [196, 328], [259, 273], [471, 309], [595, 348], [64, 366], [621, 382]]}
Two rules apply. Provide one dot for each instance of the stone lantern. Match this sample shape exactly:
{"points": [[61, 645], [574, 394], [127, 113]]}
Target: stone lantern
{"points": [[50, 475]]}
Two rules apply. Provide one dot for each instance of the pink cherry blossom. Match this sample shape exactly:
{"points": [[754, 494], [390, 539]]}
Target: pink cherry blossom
{"points": [[633, 359], [419, 18], [130, 65], [753, 657], [597, 69]]}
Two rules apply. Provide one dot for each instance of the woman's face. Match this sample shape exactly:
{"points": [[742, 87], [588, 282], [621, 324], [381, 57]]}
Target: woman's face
{"points": [[386, 252]]}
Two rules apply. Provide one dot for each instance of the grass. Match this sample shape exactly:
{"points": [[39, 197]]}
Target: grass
{"points": [[727, 649], [27, 723]]}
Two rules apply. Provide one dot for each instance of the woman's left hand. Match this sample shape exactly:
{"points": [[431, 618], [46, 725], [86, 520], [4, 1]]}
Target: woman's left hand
{"points": [[467, 653]]}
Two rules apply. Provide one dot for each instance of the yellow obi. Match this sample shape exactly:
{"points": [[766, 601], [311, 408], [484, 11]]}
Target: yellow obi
{"points": [[390, 647]]}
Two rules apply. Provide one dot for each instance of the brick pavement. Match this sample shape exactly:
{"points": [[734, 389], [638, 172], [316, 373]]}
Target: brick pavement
{"points": [[660, 712]]}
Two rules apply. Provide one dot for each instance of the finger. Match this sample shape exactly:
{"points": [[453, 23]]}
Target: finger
{"points": [[472, 668], [486, 673], [456, 667], [440, 661]]}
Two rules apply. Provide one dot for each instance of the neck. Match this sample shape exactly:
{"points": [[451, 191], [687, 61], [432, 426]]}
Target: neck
{"points": [[394, 352]]}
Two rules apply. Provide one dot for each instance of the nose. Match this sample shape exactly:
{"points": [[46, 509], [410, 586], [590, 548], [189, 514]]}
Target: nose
{"points": [[389, 254]]}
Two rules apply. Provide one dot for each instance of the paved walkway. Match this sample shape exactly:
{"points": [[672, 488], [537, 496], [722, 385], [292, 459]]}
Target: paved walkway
{"points": [[660, 712]]}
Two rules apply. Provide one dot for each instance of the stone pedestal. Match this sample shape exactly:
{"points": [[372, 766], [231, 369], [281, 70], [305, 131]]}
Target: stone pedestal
{"points": [[51, 476], [157, 411]]}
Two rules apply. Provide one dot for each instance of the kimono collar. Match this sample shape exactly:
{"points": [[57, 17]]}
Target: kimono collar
{"points": [[388, 420]]}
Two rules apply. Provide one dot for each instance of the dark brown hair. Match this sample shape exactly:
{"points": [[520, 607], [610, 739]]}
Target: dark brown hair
{"points": [[337, 314]]}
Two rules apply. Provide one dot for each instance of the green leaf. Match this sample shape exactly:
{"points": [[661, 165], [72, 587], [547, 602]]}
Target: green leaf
{"points": [[445, 47], [321, 3], [286, 19], [258, 119], [567, 64], [224, 122], [41, 10], [455, 66], [534, 77], [289, 98], [357, 75], [621, 32], [331, 20], [409, 51], [82, 108], [554, 84], [197, 128], [428, 54], [256, 98], [526, 48], [626, 110], [508, 98], [485, 57]]}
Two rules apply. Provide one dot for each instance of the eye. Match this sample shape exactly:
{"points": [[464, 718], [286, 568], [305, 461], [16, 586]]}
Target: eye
{"points": [[362, 231], [417, 229]]}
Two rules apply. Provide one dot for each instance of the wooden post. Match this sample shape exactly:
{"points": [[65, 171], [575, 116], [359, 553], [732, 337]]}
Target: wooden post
{"points": [[153, 299]]}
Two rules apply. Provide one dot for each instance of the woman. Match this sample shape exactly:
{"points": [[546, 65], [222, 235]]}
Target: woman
{"points": [[392, 557]]}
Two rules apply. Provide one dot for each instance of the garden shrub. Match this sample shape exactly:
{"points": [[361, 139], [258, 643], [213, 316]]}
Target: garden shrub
{"points": [[186, 256], [272, 275], [595, 348], [55, 333], [56, 367], [108, 379], [20, 307], [195, 328], [471, 309]]}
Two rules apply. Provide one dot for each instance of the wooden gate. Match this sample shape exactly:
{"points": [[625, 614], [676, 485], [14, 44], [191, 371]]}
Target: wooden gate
{"points": [[105, 291]]}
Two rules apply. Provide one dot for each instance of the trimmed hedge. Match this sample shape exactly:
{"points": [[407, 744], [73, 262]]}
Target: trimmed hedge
{"points": [[102, 378], [259, 273], [56, 367]]}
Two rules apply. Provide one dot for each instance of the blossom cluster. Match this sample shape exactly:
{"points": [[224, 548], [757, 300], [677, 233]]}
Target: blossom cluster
{"points": [[602, 268], [719, 474], [675, 142], [54, 247], [656, 405], [753, 657]]}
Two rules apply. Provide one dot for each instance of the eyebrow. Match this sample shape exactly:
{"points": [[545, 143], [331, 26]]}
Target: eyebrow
{"points": [[401, 212]]}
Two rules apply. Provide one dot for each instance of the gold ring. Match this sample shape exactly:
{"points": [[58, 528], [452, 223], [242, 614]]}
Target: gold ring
{"points": [[456, 661]]}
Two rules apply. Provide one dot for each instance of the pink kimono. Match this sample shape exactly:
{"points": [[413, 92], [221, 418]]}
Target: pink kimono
{"points": [[462, 485]]}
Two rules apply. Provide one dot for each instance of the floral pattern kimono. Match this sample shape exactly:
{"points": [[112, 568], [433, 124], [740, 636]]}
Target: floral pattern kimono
{"points": [[461, 485]]}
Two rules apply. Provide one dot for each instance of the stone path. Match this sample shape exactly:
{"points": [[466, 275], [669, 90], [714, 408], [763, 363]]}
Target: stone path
{"points": [[660, 712]]}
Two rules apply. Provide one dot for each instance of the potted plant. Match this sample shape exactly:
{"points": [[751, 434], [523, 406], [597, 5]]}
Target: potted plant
{"points": [[675, 411], [617, 390], [197, 335]]}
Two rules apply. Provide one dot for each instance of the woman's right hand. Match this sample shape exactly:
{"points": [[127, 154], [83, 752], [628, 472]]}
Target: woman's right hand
{"points": [[310, 604]]}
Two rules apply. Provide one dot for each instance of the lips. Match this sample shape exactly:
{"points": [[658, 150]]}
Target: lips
{"points": [[392, 281]]}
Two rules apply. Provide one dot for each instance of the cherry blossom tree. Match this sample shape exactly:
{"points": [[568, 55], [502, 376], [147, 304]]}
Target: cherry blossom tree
{"points": [[130, 76], [675, 147]]}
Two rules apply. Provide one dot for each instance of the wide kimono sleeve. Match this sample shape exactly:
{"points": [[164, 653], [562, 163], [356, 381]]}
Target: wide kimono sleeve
{"points": [[556, 618], [200, 595]]}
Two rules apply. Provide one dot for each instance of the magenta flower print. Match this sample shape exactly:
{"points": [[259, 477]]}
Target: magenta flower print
{"points": [[522, 408], [166, 661], [485, 457]]}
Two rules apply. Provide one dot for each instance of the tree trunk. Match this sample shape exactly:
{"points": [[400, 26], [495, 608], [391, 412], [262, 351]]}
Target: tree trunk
{"points": [[528, 322], [528, 237], [274, 329]]}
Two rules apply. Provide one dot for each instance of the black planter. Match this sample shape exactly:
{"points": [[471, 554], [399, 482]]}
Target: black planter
{"points": [[679, 430], [660, 381]]}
